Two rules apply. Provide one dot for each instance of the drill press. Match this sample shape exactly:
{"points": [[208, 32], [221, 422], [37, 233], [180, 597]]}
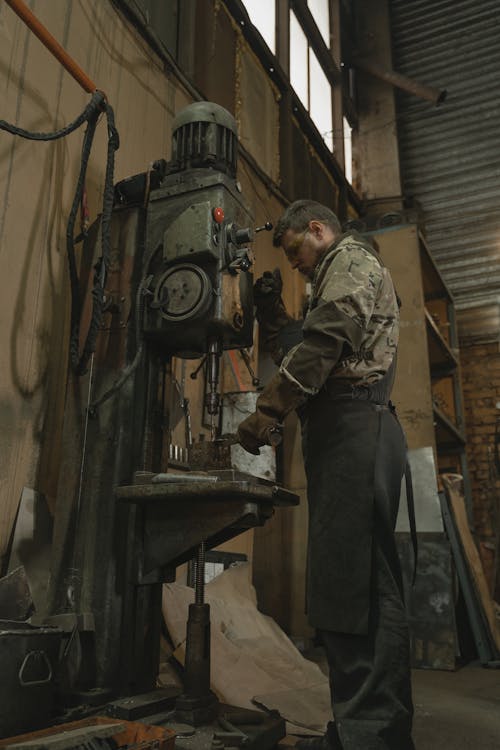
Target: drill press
{"points": [[179, 285]]}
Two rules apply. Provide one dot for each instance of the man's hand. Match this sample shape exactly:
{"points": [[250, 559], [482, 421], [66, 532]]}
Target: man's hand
{"points": [[258, 430], [264, 427], [250, 434], [267, 295], [269, 285]]}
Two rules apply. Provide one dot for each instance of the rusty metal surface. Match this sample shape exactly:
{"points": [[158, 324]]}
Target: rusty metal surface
{"points": [[210, 454], [173, 531], [209, 491], [178, 517]]}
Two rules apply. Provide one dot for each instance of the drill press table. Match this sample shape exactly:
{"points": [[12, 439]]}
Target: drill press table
{"points": [[179, 515]]}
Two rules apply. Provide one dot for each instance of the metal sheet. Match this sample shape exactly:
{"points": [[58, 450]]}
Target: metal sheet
{"points": [[450, 160], [427, 508], [235, 408], [430, 603]]}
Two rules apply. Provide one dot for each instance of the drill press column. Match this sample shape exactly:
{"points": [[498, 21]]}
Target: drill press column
{"points": [[197, 705]]}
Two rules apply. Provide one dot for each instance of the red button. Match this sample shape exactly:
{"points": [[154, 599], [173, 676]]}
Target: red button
{"points": [[218, 215]]}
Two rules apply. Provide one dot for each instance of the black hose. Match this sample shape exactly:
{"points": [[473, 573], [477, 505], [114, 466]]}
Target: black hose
{"points": [[80, 364], [93, 107], [132, 367], [91, 114], [76, 307]]}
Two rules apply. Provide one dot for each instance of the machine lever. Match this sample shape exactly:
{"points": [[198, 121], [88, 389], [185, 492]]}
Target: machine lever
{"points": [[194, 374], [265, 228], [248, 365]]}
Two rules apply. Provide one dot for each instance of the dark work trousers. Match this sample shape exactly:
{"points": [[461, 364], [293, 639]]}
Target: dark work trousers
{"points": [[355, 465], [370, 675]]}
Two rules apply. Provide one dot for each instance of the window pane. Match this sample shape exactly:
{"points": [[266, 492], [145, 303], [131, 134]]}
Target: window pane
{"points": [[263, 17], [320, 93], [298, 60], [319, 9], [347, 150]]}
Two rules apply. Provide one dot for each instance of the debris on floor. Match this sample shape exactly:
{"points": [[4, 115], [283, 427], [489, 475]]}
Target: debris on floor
{"points": [[253, 662]]}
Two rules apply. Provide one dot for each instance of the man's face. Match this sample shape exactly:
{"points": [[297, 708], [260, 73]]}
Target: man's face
{"points": [[304, 249]]}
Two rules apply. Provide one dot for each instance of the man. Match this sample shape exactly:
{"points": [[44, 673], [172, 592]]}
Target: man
{"points": [[341, 375]]}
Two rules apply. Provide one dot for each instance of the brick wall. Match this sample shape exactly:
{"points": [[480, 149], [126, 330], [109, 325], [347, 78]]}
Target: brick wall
{"points": [[481, 390]]}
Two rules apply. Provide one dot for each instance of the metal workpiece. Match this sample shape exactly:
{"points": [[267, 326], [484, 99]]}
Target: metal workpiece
{"points": [[210, 455], [173, 478]]}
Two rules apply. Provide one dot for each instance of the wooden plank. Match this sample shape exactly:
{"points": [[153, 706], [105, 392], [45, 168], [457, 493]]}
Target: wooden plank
{"points": [[452, 485]]}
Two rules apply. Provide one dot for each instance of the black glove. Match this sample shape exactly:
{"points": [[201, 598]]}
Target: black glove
{"points": [[270, 283], [267, 295], [263, 427]]}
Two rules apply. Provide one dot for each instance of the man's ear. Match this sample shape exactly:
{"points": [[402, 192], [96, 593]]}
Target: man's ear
{"points": [[316, 228]]}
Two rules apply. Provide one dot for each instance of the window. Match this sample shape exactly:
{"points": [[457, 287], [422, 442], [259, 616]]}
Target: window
{"points": [[163, 18], [309, 80], [320, 100], [299, 61], [321, 13], [347, 150], [263, 16]]}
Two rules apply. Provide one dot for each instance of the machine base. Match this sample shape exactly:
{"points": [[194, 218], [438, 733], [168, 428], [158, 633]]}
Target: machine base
{"points": [[196, 711], [234, 727]]}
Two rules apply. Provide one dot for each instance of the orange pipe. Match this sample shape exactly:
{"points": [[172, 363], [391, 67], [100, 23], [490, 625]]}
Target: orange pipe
{"points": [[52, 45]]}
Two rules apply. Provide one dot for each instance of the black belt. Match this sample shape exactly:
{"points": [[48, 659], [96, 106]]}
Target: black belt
{"points": [[354, 393]]}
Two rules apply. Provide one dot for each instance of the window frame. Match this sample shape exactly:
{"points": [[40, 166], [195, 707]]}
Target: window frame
{"points": [[343, 104]]}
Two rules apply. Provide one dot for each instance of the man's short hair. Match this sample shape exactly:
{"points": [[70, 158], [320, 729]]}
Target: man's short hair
{"points": [[298, 215]]}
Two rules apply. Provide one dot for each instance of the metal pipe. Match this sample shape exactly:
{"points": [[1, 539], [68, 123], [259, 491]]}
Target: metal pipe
{"points": [[431, 94], [52, 45]]}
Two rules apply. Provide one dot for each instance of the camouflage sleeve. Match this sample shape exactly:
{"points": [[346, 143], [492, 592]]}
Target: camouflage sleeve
{"points": [[346, 299]]}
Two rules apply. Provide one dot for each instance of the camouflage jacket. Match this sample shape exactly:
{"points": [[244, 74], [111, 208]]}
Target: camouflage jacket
{"points": [[351, 329]]}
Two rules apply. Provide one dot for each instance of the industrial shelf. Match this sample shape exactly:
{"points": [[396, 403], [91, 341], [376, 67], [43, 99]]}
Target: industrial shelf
{"points": [[442, 359], [449, 438]]}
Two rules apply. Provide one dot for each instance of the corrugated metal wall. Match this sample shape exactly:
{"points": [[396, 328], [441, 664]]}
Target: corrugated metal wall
{"points": [[450, 155]]}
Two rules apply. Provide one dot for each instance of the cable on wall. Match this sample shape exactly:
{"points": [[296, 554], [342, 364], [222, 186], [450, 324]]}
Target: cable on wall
{"points": [[90, 115]]}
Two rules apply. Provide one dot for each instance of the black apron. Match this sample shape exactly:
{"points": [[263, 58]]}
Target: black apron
{"points": [[355, 454]]}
